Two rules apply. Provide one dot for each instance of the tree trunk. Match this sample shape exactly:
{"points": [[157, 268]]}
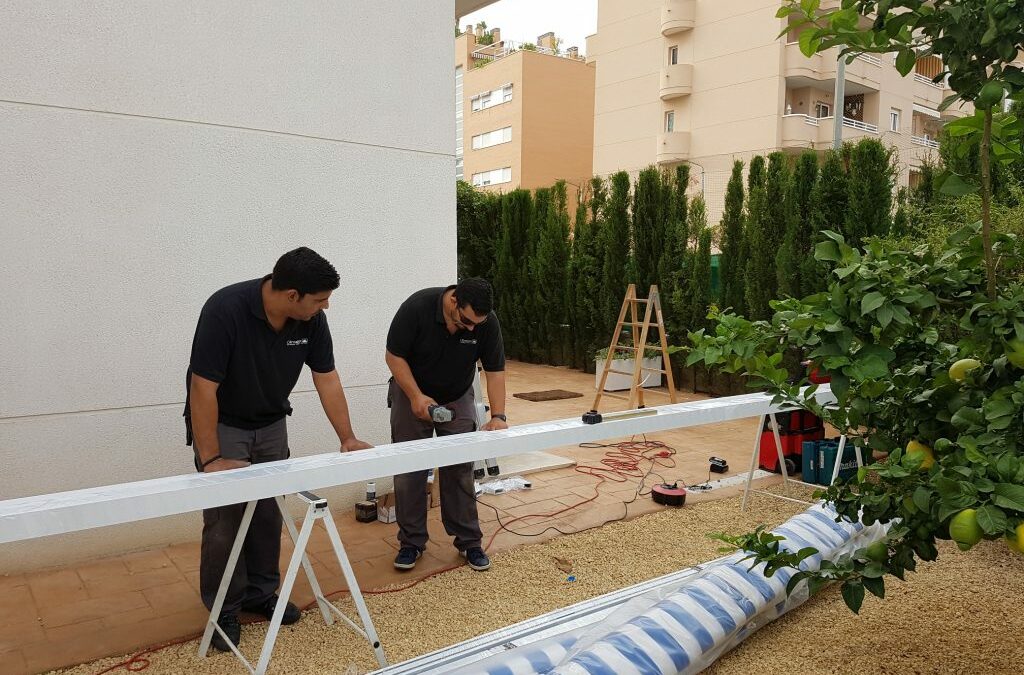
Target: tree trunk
{"points": [[986, 199]]}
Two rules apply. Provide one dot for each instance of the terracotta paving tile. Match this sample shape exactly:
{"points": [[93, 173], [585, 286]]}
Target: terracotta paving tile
{"points": [[12, 662], [103, 569], [538, 511], [94, 608], [132, 616], [172, 598], [502, 501], [19, 634], [11, 580], [146, 561], [104, 586], [17, 606], [70, 631], [184, 556], [56, 586]]}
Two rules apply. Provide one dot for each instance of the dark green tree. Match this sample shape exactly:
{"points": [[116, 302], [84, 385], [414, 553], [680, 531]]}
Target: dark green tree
{"points": [[549, 279], [672, 268], [872, 178], [690, 303], [796, 243], [510, 278], [764, 218], [826, 212], [615, 242], [647, 228], [732, 268]]}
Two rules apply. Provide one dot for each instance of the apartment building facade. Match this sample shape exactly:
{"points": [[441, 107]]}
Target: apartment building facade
{"points": [[709, 82], [524, 112]]}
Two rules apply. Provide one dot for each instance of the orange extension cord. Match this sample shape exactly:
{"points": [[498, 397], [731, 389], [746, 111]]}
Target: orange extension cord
{"points": [[621, 463]]}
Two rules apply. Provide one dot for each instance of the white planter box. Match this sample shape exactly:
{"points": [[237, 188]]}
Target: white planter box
{"points": [[617, 382]]}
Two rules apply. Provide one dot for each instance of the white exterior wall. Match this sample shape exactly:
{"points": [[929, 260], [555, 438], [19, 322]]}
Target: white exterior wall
{"points": [[153, 152]]}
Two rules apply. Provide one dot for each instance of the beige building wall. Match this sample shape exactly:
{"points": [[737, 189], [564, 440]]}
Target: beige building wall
{"points": [[549, 114], [734, 89]]}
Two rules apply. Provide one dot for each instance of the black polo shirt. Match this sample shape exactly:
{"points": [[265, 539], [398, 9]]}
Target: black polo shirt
{"points": [[256, 367], [443, 363]]}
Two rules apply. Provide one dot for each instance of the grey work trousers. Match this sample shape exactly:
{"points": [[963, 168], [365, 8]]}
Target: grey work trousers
{"points": [[257, 574], [458, 501]]}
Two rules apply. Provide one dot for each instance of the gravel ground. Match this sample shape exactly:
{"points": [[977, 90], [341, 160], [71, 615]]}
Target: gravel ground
{"points": [[961, 617]]}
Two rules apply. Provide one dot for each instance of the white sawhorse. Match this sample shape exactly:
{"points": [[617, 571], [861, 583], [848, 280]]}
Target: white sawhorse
{"points": [[316, 509], [786, 480]]}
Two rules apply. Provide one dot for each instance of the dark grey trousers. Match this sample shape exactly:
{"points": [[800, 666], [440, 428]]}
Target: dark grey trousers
{"points": [[258, 574], [458, 503]]}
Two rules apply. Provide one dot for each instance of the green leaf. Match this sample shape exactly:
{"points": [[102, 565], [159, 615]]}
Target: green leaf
{"points": [[1009, 496], [827, 251], [809, 42], [991, 519], [853, 595], [905, 61], [876, 586], [922, 498], [884, 315], [871, 302], [954, 186]]}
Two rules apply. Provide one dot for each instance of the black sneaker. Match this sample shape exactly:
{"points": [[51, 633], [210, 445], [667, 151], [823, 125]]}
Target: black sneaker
{"points": [[267, 607], [476, 558], [407, 557], [228, 623]]}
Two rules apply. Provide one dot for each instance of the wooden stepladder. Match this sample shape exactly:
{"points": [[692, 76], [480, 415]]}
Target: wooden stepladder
{"points": [[652, 318]]}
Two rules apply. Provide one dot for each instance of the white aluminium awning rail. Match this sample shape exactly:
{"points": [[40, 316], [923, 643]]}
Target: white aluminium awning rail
{"points": [[65, 512]]}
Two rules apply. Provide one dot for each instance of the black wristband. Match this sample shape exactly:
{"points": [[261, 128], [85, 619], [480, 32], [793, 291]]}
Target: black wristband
{"points": [[500, 416], [210, 461]]}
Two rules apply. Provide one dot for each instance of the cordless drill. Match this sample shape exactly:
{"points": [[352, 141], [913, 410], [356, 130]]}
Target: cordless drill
{"points": [[439, 414]]}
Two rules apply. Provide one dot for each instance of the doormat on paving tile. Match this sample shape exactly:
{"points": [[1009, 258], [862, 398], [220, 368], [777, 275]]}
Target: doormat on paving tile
{"points": [[547, 395]]}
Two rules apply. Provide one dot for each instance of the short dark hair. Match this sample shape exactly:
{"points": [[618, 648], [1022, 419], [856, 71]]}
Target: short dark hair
{"points": [[476, 293], [305, 271]]}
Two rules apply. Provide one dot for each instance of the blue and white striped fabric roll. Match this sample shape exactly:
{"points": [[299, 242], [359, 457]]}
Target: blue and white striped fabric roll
{"points": [[707, 615]]}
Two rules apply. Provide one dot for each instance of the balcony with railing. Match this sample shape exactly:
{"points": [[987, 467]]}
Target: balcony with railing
{"points": [[676, 81], [925, 141], [864, 73], [673, 146], [677, 16], [804, 131]]}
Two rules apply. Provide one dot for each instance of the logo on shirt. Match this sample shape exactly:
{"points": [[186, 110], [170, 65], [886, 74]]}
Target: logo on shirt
{"points": [[467, 341], [296, 343]]}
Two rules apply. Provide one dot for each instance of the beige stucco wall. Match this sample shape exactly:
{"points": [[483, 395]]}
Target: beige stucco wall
{"points": [[154, 152], [551, 115]]}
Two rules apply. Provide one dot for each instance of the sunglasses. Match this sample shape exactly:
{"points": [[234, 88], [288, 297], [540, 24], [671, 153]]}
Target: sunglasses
{"points": [[466, 321]]}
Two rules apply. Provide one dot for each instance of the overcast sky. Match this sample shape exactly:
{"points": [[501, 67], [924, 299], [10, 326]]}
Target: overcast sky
{"points": [[524, 20]]}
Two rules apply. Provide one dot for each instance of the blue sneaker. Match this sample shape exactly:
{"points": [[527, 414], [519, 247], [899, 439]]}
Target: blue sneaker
{"points": [[407, 557], [476, 558]]}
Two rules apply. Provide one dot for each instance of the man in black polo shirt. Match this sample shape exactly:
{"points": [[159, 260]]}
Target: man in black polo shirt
{"points": [[248, 351], [434, 342]]}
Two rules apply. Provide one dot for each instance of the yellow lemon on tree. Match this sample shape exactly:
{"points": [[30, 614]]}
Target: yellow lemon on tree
{"points": [[1016, 543], [918, 449], [964, 529], [958, 371]]}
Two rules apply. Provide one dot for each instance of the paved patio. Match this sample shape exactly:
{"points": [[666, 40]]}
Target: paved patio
{"points": [[59, 617]]}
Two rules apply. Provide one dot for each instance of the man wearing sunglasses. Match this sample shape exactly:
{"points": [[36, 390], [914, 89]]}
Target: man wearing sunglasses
{"points": [[435, 341]]}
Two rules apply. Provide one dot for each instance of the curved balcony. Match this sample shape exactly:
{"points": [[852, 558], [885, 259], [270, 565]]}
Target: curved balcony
{"points": [[676, 81], [673, 146], [677, 16]]}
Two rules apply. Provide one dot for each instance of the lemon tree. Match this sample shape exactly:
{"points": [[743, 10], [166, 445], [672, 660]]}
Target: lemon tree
{"points": [[925, 350]]}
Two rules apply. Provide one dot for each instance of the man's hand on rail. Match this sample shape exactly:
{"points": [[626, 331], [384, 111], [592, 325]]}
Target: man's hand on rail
{"points": [[223, 464], [495, 424], [353, 443]]}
